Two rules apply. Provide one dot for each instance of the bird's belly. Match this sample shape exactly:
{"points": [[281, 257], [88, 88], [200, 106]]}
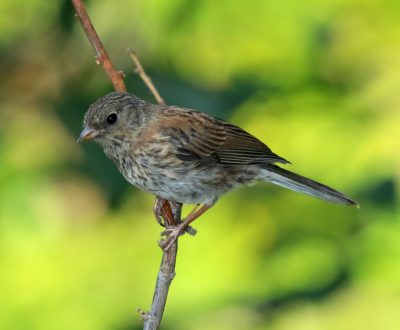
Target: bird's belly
{"points": [[183, 187], [184, 183], [199, 185]]}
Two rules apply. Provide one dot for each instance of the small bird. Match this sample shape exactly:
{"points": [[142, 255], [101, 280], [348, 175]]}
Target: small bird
{"points": [[186, 156]]}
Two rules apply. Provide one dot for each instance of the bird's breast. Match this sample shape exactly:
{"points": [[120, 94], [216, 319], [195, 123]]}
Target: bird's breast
{"points": [[158, 171]]}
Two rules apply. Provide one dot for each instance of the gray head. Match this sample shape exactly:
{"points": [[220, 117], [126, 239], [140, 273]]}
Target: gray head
{"points": [[114, 117]]}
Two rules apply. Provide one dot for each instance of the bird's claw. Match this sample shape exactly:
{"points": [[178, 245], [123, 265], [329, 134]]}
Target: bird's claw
{"points": [[169, 229], [172, 233], [160, 220], [191, 231]]}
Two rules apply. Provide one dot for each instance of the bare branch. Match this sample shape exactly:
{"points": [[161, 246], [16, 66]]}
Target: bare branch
{"points": [[102, 57], [172, 217], [166, 273], [171, 211], [146, 79]]}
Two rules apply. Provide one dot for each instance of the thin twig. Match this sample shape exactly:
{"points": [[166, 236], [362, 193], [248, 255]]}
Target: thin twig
{"points": [[165, 276], [147, 80], [102, 57], [166, 273]]}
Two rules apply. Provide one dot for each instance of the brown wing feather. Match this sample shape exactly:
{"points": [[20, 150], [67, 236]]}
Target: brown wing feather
{"points": [[199, 137], [243, 148]]}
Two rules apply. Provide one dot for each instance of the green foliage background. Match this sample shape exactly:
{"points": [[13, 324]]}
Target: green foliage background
{"points": [[316, 80]]}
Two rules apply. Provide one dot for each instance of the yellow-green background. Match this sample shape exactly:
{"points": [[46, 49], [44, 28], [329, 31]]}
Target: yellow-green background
{"points": [[319, 81]]}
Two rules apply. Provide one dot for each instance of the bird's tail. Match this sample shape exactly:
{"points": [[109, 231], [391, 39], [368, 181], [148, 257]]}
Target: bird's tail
{"points": [[293, 181]]}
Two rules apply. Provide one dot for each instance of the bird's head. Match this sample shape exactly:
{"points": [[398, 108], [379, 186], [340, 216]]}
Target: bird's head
{"points": [[114, 117]]}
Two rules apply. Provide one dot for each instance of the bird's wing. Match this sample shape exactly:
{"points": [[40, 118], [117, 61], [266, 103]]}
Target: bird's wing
{"points": [[199, 137]]}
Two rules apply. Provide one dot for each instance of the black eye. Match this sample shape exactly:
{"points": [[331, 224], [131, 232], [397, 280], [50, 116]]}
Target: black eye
{"points": [[112, 118]]}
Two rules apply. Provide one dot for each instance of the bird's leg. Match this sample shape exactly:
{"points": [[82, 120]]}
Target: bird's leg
{"points": [[193, 210], [189, 229], [176, 231], [175, 206], [163, 212]]}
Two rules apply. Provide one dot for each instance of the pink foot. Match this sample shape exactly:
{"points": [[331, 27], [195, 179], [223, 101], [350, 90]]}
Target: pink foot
{"points": [[172, 234]]}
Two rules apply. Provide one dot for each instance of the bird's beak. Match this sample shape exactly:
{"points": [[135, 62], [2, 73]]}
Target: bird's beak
{"points": [[87, 134]]}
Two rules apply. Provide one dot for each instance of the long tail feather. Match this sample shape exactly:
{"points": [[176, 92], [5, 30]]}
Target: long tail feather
{"points": [[296, 182]]}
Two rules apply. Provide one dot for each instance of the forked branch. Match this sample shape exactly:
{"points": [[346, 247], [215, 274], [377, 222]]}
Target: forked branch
{"points": [[172, 216], [166, 273]]}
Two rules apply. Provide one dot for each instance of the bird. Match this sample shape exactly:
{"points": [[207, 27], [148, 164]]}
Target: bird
{"points": [[186, 156]]}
